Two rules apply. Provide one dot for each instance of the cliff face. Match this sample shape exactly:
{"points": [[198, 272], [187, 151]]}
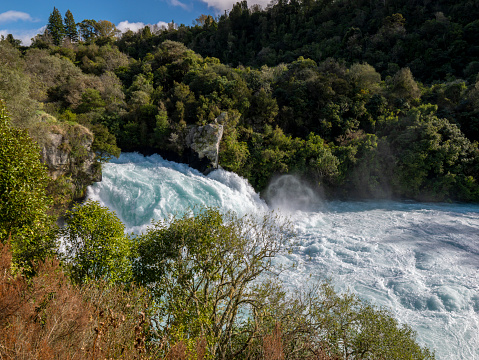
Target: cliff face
{"points": [[67, 152], [202, 145]]}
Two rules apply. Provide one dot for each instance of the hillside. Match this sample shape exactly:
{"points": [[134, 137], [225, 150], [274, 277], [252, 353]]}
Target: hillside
{"points": [[368, 100]]}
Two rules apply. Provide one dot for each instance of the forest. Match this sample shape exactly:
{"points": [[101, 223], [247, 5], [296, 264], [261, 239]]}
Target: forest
{"points": [[364, 99], [374, 116]]}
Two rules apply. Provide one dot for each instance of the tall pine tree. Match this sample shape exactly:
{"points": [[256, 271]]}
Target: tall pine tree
{"points": [[55, 27], [71, 27]]}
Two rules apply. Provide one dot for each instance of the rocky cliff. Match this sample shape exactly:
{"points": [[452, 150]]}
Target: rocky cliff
{"points": [[67, 152], [202, 145]]}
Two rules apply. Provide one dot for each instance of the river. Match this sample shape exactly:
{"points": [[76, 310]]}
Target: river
{"points": [[419, 260]]}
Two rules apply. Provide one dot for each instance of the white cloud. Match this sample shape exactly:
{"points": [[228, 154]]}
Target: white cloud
{"points": [[24, 35], [124, 26], [179, 3], [13, 15], [162, 24], [222, 5]]}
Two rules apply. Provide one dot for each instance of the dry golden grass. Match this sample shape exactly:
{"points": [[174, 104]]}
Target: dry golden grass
{"points": [[46, 317]]}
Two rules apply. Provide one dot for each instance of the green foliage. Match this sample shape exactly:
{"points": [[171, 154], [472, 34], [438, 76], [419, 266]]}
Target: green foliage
{"points": [[55, 27], [433, 41], [213, 279], [316, 159], [104, 144], [91, 101], [435, 160], [88, 30], [14, 42], [71, 27], [96, 246], [359, 330], [162, 126], [274, 153], [341, 325], [24, 205], [234, 154], [263, 109], [15, 86], [403, 87], [202, 270], [106, 32], [365, 77], [150, 88]]}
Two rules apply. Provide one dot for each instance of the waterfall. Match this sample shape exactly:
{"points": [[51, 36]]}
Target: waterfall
{"points": [[419, 260]]}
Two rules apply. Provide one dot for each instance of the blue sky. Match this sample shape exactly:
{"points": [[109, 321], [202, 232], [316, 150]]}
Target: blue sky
{"points": [[26, 18]]}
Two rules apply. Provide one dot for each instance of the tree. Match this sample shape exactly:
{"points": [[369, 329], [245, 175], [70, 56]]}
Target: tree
{"points": [[88, 30], [15, 42], [15, 86], [202, 270], [24, 205], [96, 246], [365, 77], [55, 27], [435, 161], [213, 279], [104, 144], [403, 88], [204, 20], [71, 27], [91, 102], [317, 320], [106, 30]]}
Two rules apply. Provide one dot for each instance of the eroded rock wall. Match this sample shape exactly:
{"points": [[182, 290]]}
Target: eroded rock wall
{"points": [[67, 152], [203, 146]]}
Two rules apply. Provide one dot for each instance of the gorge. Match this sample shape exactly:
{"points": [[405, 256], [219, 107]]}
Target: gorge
{"points": [[420, 260]]}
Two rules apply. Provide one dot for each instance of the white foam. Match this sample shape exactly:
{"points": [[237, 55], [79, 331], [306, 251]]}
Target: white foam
{"points": [[419, 260]]}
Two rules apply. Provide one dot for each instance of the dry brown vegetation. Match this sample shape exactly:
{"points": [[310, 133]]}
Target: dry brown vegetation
{"points": [[46, 317], [273, 348]]}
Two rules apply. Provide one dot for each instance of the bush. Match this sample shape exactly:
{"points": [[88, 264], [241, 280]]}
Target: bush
{"points": [[214, 280], [24, 204], [47, 317], [316, 320], [95, 244]]}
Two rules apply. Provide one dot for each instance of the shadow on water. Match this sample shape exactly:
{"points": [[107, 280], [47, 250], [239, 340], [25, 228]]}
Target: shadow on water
{"points": [[461, 240]]}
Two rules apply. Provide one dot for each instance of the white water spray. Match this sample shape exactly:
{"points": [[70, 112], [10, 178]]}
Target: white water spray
{"points": [[419, 260], [288, 193]]}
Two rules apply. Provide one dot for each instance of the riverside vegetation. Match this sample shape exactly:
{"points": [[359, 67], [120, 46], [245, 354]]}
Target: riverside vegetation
{"points": [[198, 286], [380, 102]]}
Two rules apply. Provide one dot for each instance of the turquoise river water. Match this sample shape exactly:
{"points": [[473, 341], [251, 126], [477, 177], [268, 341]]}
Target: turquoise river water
{"points": [[420, 260]]}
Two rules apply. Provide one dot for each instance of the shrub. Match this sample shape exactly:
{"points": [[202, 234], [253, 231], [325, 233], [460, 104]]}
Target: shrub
{"points": [[24, 204], [96, 246], [46, 317], [214, 279]]}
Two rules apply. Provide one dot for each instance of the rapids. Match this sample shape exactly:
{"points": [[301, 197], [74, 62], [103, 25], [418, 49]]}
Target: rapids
{"points": [[419, 260]]}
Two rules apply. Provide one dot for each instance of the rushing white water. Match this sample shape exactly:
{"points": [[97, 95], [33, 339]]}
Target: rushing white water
{"points": [[419, 260]]}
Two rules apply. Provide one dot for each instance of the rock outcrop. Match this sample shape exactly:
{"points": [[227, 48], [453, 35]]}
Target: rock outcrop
{"points": [[67, 152], [203, 146]]}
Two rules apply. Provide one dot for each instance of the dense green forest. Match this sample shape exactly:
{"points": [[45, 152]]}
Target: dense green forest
{"points": [[380, 102], [369, 99]]}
